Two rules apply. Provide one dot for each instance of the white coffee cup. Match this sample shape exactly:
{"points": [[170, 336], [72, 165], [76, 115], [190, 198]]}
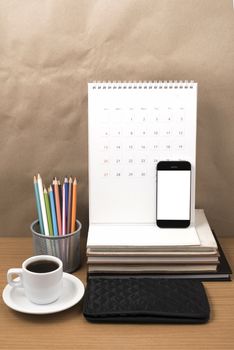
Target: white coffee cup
{"points": [[40, 287]]}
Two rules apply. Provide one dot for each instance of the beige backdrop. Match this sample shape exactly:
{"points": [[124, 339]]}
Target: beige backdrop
{"points": [[50, 49]]}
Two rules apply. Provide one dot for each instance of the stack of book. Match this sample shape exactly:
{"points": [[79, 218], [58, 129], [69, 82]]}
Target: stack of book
{"points": [[145, 249]]}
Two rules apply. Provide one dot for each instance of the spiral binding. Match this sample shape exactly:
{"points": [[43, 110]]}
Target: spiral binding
{"points": [[142, 85]]}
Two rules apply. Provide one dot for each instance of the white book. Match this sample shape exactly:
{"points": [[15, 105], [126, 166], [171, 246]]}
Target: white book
{"points": [[139, 236], [109, 237]]}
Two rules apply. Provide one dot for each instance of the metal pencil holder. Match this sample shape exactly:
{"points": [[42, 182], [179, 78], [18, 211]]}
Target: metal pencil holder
{"points": [[66, 248]]}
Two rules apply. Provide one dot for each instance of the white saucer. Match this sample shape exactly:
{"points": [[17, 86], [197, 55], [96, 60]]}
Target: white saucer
{"points": [[73, 291]]}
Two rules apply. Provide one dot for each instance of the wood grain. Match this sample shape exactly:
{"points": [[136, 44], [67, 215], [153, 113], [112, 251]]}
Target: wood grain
{"points": [[69, 329]]}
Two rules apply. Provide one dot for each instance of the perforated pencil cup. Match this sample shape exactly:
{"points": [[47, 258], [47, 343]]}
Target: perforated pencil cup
{"points": [[66, 248]]}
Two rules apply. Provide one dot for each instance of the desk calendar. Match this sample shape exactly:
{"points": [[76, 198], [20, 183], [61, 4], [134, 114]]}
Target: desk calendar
{"points": [[131, 127]]}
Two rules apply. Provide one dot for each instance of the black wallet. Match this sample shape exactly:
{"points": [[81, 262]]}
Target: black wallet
{"points": [[145, 300]]}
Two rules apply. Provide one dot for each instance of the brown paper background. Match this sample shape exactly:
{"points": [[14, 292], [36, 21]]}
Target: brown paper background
{"points": [[49, 50]]}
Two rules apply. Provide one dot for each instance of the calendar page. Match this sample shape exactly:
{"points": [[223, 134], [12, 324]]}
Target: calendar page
{"points": [[132, 126]]}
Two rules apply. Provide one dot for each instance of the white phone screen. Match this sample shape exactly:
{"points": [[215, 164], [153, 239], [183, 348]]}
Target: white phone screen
{"points": [[173, 194]]}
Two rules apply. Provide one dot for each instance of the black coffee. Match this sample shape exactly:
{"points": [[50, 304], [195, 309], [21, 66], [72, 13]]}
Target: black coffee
{"points": [[42, 266]]}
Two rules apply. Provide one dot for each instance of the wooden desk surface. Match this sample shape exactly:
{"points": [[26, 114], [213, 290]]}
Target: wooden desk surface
{"points": [[70, 330]]}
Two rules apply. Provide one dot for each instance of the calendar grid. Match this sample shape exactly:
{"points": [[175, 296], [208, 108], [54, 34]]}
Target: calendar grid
{"points": [[132, 126]]}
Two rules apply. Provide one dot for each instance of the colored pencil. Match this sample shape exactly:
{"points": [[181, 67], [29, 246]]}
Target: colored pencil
{"points": [[53, 184], [60, 195], [38, 205], [69, 205], [42, 203], [58, 206], [66, 183], [53, 211], [48, 211], [73, 217], [64, 212]]}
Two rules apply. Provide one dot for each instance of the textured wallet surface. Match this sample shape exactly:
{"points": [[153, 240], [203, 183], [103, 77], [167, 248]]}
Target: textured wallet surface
{"points": [[145, 300]]}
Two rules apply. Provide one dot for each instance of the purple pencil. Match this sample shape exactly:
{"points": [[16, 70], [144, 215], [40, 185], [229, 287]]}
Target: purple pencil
{"points": [[64, 212]]}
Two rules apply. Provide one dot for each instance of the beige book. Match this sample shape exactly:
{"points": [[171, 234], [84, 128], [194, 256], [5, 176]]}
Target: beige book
{"points": [[152, 260], [151, 268], [125, 253]]}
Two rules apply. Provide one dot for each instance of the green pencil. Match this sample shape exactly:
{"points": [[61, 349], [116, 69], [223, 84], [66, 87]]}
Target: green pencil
{"points": [[48, 212]]}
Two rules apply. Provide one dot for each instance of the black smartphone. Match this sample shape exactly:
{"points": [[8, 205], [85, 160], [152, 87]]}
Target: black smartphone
{"points": [[173, 194]]}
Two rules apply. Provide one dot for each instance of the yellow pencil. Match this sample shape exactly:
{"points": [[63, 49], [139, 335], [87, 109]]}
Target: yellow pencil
{"points": [[73, 218]]}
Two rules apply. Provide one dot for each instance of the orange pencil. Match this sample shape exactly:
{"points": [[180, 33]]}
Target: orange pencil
{"points": [[58, 207], [73, 217]]}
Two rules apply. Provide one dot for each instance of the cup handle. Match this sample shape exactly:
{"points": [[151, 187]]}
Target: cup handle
{"points": [[10, 280]]}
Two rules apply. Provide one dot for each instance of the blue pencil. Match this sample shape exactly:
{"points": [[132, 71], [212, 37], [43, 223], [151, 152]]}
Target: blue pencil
{"points": [[38, 205], [53, 211]]}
